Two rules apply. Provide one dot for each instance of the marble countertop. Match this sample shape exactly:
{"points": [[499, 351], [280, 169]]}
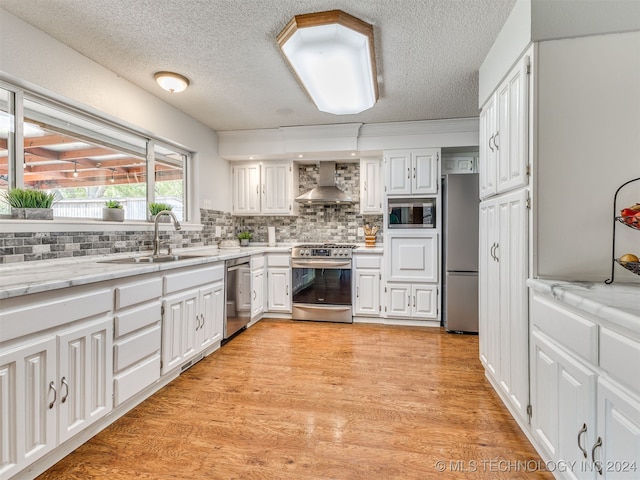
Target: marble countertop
{"points": [[618, 303], [42, 276]]}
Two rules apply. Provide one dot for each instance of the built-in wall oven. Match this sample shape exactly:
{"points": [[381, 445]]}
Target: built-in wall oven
{"points": [[322, 289]]}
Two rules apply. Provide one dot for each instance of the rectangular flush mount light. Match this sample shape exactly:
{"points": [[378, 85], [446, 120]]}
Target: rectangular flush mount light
{"points": [[332, 54]]}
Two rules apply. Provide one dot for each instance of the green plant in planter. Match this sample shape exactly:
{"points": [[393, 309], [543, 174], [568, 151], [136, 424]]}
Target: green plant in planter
{"points": [[112, 204], [30, 204], [22, 198], [246, 235], [156, 208]]}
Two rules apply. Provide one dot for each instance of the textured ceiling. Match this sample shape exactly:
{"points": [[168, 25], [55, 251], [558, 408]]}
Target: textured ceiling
{"points": [[428, 53]]}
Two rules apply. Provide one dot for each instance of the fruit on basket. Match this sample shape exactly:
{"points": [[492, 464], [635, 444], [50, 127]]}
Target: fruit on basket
{"points": [[631, 215], [629, 257]]}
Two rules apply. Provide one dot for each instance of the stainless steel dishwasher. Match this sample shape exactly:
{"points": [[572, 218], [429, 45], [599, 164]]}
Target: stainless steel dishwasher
{"points": [[237, 283]]}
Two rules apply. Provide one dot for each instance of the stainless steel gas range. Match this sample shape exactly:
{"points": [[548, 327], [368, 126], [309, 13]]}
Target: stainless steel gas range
{"points": [[322, 288]]}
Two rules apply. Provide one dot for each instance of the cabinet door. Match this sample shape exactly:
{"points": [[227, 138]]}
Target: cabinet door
{"points": [[278, 287], [179, 322], [367, 292], [243, 296], [276, 188], [370, 186], [85, 371], [487, 160], [29, 385], [488, 328], [511, 255], [398, 177], [398, 300], [511, 136], [563, 396], [413, 257], [257, 293], [424, 176], [424, 301], [618, 432], [209, 329], [246, 188]]}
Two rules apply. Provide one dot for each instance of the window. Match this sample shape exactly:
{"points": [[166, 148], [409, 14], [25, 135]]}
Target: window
{"points": [[85, 161]]}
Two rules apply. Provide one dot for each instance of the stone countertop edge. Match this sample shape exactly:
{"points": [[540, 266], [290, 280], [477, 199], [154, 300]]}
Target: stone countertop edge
{"points": [[47, 275], [616, 303]]}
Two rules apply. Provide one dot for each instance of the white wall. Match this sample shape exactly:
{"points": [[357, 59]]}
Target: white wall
{"points": [[34, 59], [588, 144]]}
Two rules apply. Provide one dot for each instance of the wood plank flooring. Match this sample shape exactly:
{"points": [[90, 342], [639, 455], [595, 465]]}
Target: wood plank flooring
{"points": [[311, 400]]}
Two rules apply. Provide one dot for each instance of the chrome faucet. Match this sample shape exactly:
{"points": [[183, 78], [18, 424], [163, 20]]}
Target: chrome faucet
{"points": [[156, 236]]}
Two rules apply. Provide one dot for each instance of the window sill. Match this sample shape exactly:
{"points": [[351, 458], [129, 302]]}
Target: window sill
{"points": [[9, 225]]}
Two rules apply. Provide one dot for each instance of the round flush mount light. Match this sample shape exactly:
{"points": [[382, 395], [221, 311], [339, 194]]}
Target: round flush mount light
{"points": [[171, 82]]}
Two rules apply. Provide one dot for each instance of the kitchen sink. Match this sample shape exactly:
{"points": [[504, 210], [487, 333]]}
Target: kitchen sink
{"points": [[152, 259]]}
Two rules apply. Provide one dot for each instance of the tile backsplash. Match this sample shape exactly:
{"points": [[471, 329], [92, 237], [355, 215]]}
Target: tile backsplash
{"points": [[315, 223]]}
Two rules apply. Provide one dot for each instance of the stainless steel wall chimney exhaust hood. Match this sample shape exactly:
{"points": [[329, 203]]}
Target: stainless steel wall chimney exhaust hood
{"points": [[326, 191]]}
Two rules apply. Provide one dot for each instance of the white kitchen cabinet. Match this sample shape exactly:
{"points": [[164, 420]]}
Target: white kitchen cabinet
{"points": [[503, 271], [258, 286], [279, 283], [192, 314], [412, 301], [504, 133], [266, 188], [412, 257], [563, 394], [29, 385], [371, 186], [368, 282], [246, 188], [412, 172], [616, 451], [85, 369]]}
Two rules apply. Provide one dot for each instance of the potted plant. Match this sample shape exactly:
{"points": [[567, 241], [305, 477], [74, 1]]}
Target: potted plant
{"points": [[155, 208], [30, 204], [244, 238], [113, 211]]}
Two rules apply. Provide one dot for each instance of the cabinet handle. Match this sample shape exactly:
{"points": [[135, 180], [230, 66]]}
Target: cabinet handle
{"points": [[365, 186], [414, 172], [408, 172], [197, 322], [492, 249], [490, 143], [408, 300], [257, 189], [357, 292], [52, 386], [286, 290], [66, 391], [495, 252], [255, 295], [582, 430], [202, 317], [263, 189], [495, 144], [414, 301], [597, 463]]}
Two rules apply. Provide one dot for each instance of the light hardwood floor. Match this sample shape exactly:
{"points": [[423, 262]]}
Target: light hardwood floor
{"points": [[305, 400]]}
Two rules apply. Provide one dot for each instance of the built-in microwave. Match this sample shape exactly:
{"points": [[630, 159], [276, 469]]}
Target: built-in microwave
{"points": [[412, 213]]}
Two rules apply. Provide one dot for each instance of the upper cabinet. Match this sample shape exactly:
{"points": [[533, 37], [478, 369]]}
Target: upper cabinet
{"points": [[264, 188], [371, 186], [412, 172], [504, 134]]}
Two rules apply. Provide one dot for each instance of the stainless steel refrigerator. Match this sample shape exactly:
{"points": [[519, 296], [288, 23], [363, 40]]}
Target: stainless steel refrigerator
{"points": [[460, 252]]}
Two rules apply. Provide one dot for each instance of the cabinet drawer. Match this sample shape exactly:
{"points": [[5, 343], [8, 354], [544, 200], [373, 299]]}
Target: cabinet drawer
{"points": [[138, 318], [571, 330], [134, 380], [136, 347], [278, 260], [257, 261], [138, 292], [367, 261], [620, 357], [192, 278]]}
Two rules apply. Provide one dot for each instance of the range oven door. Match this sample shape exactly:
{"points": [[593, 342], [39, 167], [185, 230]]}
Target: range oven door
{"points": [[322, 290]]}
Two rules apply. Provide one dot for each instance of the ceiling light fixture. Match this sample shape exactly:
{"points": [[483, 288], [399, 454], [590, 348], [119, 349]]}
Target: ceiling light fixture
{"points": [[112, 179], [75, 169], [332, 54], [171, 82]]}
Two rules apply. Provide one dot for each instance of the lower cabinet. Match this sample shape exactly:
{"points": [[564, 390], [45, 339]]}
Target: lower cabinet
{"points": [[585, 403], [257, 286], [367, 280], [43, 403], [279, 283], [412, 300]]}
